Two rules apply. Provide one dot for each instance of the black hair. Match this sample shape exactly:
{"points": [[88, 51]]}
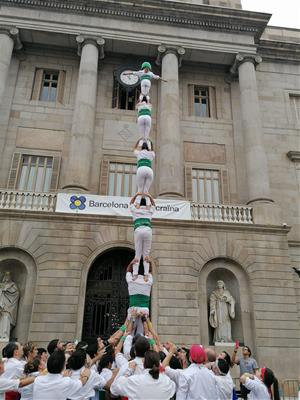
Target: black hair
{"points": [[145, 146], [143, 202], [105, 361], [82, 345], [77, 360], [32, 366], [269, 380], [175, 363], [223, 366], [132, 353], [9, 349], [41, 350], [141, 346], [162, 356], [249, 350], [52, 346], [227, 357], [92, 349], [152, 361], [56, 362]]}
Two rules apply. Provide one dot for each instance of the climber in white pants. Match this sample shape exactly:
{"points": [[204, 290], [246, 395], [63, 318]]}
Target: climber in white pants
{"points": [[145, 74], [144, 119], [142, 216], [144, 173]]}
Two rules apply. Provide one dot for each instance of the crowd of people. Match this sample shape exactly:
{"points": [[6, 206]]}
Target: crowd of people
{"points": [[130, 364]]}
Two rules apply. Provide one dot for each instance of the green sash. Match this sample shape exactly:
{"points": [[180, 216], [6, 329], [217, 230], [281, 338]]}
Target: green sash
{"points": [[144, 162], [146, 76], [142, 222], [139, 300], [144, 111]]}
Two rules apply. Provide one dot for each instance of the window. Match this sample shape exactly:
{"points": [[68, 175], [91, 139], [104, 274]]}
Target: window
{"points": [[121, 179], [202, 102], [48, 85], [295, 104], [34, 173], [206, 186], [124, 99]]}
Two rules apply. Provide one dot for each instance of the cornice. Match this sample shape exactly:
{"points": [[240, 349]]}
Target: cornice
{"points": [[279, 51], [159, 12], [294, 155]]}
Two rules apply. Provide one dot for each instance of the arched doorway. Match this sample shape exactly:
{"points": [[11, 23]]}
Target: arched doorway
{"points": [[106, 300]]}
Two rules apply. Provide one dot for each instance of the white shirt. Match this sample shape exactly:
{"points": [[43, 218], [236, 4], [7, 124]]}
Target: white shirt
{"points": [[13, 368], [106, 375], [139, 369], [141, 212], [27, 391], [197, 383], [55, 387], [258, 390], [139, 286], [8, 384], [173, 374], [144, 154], [225, 386], [88, 390], [144, 387], [141, 73]]}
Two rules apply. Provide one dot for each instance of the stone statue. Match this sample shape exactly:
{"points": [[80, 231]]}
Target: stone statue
{"points": [[9, 297], [221, 310]]}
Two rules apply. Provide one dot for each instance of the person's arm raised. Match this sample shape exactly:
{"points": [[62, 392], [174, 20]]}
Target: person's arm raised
{"points": [[172, 351]]}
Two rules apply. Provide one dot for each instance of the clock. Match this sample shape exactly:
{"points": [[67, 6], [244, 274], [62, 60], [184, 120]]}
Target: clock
{"points": [[127, 80]]}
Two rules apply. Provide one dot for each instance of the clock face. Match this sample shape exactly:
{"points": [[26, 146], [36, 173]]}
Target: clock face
{"points": [[128, 80]]}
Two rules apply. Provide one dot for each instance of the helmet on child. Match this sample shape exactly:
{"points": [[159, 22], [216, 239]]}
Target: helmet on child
{"points": [[146, 64]]}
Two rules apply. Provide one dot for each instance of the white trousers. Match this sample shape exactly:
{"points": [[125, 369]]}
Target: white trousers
{"points": [[145, 87], [142, 245], [144, 310], [144, 179], [144, 125]]}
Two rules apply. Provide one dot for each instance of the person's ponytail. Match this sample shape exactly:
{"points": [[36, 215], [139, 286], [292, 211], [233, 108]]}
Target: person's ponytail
{"points": [[154, 372], [276, 389], [151, 362]]}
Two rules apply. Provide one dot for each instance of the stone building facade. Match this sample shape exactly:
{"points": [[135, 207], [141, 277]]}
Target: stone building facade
{"points": [[226, 133]]}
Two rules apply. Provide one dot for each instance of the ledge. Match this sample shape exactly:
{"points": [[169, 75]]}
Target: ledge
{"points": [[160, 12], [126, 221]]}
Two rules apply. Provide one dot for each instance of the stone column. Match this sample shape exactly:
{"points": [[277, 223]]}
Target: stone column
{"points": [[77, 173], [170, 150], [8, 39], [256, 161]]}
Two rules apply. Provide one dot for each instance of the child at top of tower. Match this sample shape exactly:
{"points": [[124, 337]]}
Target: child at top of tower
{"points": [[145, 74], [144, 173], [142, 216]]}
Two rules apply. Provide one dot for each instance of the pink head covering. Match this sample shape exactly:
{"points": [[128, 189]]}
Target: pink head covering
{"points": [[197, 354]]}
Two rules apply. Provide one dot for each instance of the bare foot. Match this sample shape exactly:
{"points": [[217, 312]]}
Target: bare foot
{"points": [[146, 278], [134, 277]]}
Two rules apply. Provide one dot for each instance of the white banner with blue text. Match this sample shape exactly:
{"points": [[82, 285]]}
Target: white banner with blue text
{"points": [[118, 206]]}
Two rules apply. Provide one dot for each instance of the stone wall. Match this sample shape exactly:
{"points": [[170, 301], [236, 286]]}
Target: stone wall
{"points": [[64, 247]]}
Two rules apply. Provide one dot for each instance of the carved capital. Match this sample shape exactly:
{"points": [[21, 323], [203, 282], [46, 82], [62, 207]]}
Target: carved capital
{"points": [[240, 59], [162, 50], [14, 34], [96, 41]]}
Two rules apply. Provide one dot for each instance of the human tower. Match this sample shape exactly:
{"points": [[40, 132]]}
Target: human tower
{"points": [[142, 205]]}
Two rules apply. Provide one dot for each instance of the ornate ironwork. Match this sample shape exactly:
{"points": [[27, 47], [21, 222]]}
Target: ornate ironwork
{"points": [[106, 294]]}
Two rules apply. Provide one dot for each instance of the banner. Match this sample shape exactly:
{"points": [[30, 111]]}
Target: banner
{"points": [[118, 206]]}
